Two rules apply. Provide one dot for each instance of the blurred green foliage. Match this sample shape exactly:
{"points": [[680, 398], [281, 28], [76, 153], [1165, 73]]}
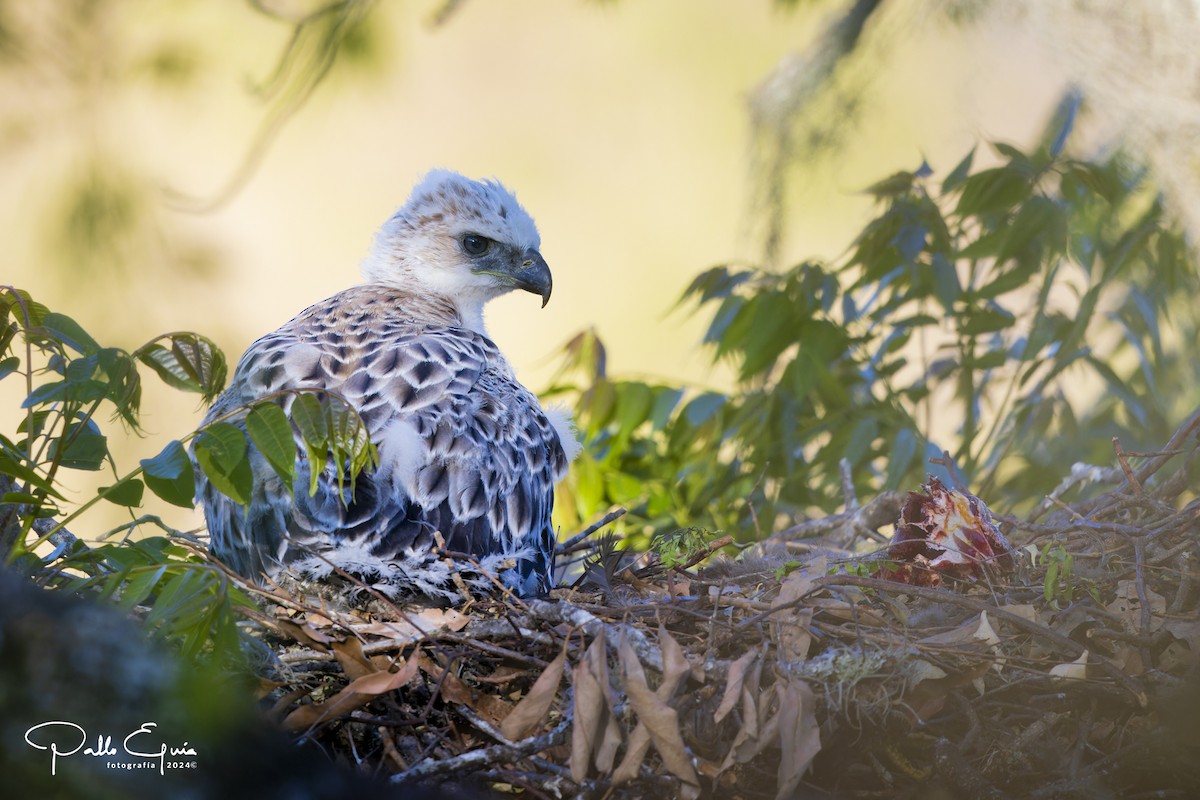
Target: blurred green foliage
{"points": [[69, 379], [73, 70], [1016, 316]]}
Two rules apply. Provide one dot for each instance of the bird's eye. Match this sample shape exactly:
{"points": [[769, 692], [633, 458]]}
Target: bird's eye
{"points": [[474, 245]]}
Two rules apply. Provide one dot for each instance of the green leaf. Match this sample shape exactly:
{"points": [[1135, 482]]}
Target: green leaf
{"points": [[236, 483], [904, 451], [1065, 115], [23, 474], [989, 360], [8, 366], [1097, 179], [945, 281], [634, 401], [271, 433], [726, 313], [225, 442], [21, 304], [895, 184], [993, 190], [126, 493], [1050, 584], [332, 431], [665, 401], [188, 361], [140, 585], [350, 445], [1008, 280], [702, 408], [124, 388], [18, 498], [986, 319], [588, 485], [169, 475], [718, 282], [596, 405], [220, 450], [74, 391], [864, 435], [86, 448], [69, 332], [959, 173], [309, 416]]}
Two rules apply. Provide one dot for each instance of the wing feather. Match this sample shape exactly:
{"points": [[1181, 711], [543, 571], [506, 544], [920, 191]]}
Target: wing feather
{"points": [[464, 448]]}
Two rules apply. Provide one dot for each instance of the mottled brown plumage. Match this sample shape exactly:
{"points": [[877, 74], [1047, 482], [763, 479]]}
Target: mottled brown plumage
{"points": [[464, 448]]}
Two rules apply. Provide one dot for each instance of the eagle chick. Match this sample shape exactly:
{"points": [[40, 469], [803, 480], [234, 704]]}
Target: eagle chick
{"points": [[464, 449]]}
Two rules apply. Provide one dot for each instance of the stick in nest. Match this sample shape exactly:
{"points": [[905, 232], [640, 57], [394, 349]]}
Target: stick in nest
{"points": [[579, 540], [487, 756]]}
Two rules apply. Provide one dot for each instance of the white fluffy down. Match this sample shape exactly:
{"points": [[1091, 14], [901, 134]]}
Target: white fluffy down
{"points": [[412, 573], [402, 453], [564, 425]]}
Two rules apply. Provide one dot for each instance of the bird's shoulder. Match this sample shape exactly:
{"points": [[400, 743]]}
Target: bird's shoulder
{"points": [[366, 337]]}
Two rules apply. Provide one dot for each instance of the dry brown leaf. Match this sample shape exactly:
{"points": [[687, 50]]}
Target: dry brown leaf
{"points": [[928, 696], [354, 661], [1129, 659], [1128, 606], [1023, 610], [635, 754], [675, 666], [453, 690], [534, 706], [1175, 656], [792, 634], [675, 663], [985, 633], [794, 586], [446, 619], [395, 631], [922, 670], [1073, 671], [733, 685], [414, 625], [661, 721], [790, 626], [799, 734], [754, 700], [768, 734], [597, 660], [747, 742], [321, 620], [848, 612], [355, 695], [305, 634], [590, 713], [610, 743], [963, 634], [752, 738]]}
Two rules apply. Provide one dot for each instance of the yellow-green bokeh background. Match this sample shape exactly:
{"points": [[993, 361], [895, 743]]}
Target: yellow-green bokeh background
{"points": [[622, 127]]}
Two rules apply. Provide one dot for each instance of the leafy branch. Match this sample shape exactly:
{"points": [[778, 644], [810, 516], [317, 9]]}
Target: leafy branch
{"points": [[68, 378], [1016, 316]]}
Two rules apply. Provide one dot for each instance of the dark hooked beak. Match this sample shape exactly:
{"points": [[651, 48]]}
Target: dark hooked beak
{"points": [[533, 275]]}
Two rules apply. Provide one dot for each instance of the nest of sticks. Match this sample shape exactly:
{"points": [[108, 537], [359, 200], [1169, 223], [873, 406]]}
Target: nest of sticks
{"points": [[1062, 665]]}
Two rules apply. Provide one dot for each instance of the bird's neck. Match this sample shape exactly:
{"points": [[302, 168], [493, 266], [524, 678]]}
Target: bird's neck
{"points": [[472, 317], [469, 303]]}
